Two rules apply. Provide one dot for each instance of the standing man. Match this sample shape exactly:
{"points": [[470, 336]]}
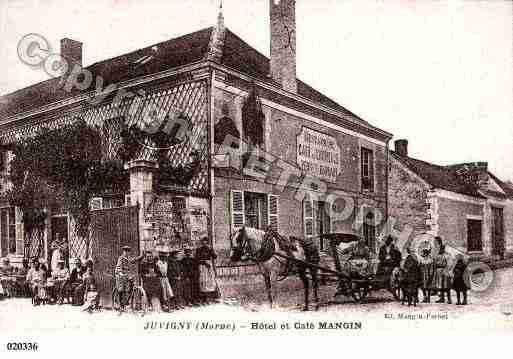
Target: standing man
{"points": [[205, 256], [389, 257], [149, 275], [175, 277], [189, 278], [122, 277]]}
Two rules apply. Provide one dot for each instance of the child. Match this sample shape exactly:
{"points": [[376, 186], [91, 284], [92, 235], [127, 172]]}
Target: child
{"points": [[427, 269], [91, 299], [459, 284], [411, 273]]}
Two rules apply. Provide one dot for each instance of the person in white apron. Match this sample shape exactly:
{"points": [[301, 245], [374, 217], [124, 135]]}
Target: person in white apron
{"points": [[167, 292], [205, 256]]}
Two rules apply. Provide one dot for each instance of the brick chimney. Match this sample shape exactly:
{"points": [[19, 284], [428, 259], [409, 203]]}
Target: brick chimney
{"points": [[71, 50], [401, 147], [283, 43]]}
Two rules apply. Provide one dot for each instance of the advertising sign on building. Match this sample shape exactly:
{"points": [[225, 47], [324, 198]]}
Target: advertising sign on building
{"points": [[318, 154]]}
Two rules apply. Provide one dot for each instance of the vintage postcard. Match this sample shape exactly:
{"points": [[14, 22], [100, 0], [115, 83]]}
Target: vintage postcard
{"points": [[251, 167]]}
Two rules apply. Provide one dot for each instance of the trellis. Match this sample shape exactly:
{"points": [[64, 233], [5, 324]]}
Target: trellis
{"points": [[190, 99]]}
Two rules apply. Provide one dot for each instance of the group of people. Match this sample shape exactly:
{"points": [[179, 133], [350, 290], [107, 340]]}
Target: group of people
{"points": [[59, 284], [435, 271], [9, 284], [175, 280]]}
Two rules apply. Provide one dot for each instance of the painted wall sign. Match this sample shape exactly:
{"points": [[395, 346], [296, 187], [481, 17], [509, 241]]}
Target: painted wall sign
{"points": [[318, 154]]}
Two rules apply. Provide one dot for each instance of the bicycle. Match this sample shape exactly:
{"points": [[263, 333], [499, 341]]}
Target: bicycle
{"points": [[137, 298]]}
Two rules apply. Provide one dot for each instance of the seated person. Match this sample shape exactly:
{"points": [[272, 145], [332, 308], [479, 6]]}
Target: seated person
{"points": [[60, 277], [75, 279], [80, 291], [6, 268], [389, 257], [358, 258], [36, 279], [91, 298], [6, 281]]}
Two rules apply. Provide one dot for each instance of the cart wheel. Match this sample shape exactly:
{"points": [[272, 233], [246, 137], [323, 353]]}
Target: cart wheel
{"points": [[139, 300], [359, 291]]}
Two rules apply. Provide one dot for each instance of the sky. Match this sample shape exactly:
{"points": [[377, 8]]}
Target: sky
{"points": [[439, 74]]}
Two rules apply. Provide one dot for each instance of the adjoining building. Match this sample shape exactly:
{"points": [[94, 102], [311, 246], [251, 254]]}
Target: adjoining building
{"points": [[225, 89], [465, 204]]}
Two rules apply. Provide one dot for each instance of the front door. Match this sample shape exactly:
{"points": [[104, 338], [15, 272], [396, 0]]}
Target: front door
{"points": [[497, 232], [60, 231], [323, 222]]}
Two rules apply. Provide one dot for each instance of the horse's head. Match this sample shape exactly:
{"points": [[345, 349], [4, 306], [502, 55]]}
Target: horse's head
{"points": [[238, 243]]}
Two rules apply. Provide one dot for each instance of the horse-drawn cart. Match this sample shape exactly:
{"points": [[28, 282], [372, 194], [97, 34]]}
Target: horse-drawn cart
{"points": [[278, 256], [356, 278]]}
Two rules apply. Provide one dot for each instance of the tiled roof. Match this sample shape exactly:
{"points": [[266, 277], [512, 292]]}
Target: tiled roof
{"points": [[507, 188], [442, 177], [238, 55], [180, 51], [187, 49]]}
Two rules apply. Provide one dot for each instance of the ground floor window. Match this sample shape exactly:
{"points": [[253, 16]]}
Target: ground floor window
{"points": [[256, 210], [474, 235]]}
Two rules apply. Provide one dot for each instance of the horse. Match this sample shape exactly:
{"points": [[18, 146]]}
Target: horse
{"points": [[277, 256]]}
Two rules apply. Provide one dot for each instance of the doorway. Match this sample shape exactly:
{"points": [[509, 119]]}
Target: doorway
{"points": [[323, 222], [59, 230]]}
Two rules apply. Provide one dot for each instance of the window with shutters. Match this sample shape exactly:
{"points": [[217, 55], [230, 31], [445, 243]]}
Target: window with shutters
{"points": [[474, 235], [237, 209], [256, 210], [274, 211], [367, 170]]}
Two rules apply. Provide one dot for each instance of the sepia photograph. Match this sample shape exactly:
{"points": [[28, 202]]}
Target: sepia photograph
{"points": [[255, 167]]}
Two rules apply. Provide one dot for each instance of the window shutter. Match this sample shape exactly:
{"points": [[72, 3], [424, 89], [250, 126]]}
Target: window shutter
{"points": [[20, 231], [308, 216], [237, 209], [128, 200], [273, 211], [96, 203]]}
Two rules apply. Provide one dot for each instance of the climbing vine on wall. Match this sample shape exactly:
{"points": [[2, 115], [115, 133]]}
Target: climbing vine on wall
{"points": [[62, 162]]}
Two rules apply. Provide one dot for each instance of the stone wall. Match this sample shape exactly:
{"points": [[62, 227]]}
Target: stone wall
{"points": [[407, 199], [452, 222]]}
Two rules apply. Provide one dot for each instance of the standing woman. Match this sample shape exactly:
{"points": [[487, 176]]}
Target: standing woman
{"points": [[167, 295], [205, 256], [427, 269], [442, 277]]}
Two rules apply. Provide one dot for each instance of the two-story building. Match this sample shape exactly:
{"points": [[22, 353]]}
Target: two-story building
{"points": [[289, 146]]}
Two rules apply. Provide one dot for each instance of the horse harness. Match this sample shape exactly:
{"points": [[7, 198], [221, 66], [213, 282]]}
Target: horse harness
{"points": [[268, 251]]}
